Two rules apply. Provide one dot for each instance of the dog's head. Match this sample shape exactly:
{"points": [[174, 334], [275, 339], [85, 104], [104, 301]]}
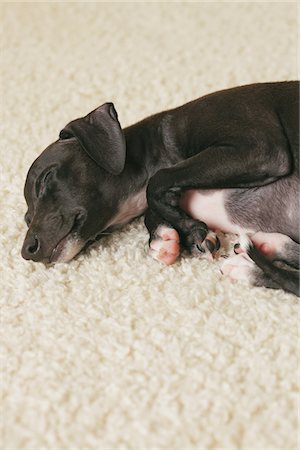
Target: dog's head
{"points": [[72, 189]]}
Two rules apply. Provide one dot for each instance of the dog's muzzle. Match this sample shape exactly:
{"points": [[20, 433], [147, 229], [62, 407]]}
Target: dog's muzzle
{"points": [[62, 247]]}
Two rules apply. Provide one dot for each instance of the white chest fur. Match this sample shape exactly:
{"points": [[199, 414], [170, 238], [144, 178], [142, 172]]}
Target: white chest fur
{"points": [[132, 207]]}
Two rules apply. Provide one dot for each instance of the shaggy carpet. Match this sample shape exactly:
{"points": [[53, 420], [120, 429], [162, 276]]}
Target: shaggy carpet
{"points": [[115, 351]]}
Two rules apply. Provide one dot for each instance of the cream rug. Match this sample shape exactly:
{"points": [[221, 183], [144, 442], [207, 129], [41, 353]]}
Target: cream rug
{"points": [[114, 351]]}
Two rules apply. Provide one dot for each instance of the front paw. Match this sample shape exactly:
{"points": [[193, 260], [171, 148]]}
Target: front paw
{"points": [[202, 243], [165, 246]]}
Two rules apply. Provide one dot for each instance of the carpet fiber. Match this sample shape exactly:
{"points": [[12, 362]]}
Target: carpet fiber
{"points": [[115, 351]]}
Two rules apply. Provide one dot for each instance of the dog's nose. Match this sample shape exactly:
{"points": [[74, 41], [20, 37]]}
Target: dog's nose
{"points": [[31, 247]]}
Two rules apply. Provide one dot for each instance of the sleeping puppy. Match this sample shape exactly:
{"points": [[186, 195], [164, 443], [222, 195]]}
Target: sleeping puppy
{"points": [[227, 161]]}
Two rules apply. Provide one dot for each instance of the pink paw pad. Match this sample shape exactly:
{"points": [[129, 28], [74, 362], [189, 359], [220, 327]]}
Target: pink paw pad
{"points": [[238, 267], [165, 246]]}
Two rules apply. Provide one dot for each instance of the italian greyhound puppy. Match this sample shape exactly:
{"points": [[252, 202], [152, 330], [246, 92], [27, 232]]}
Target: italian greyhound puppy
{"points": [[228, 161]]}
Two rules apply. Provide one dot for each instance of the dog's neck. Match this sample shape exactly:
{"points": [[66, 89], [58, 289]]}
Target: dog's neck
{"points": [[150, 146], [155, 143]]}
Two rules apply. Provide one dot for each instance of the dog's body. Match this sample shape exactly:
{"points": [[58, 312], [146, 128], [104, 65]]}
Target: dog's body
{"points": [[227, 161]]}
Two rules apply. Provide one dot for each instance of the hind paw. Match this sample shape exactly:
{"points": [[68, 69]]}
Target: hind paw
{"points": [[238, 267]]}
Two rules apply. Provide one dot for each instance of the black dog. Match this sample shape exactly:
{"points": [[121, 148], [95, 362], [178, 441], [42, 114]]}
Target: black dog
{"points": [[226, 161]]}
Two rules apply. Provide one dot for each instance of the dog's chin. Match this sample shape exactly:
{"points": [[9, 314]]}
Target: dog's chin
{"points": [[66, 249]]}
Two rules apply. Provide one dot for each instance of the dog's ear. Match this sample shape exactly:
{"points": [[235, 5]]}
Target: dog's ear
{"points": [[100, 135]]}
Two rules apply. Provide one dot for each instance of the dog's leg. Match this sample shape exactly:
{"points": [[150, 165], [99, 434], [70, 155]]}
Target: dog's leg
{"points": [[276, 247], [255, 263], [280, 279], [260, 272], [216, 167]]}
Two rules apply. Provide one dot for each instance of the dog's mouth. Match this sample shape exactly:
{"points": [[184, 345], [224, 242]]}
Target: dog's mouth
{"points": [[63, 250], [69, 245]]}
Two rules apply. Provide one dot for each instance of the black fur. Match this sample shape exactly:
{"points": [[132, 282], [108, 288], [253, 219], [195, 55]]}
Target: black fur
{"points": [[244, 138]]}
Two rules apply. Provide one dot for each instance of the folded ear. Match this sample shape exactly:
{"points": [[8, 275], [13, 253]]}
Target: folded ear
{"points": [[100, 135]]}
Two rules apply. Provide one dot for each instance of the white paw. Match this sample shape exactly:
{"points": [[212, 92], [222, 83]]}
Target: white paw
{"points": [[238, 267], [165, 246]]}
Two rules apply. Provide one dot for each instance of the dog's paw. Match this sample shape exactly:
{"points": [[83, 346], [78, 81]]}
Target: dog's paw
{"points": [[238, 267], [165, 245], [202, 244]]}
